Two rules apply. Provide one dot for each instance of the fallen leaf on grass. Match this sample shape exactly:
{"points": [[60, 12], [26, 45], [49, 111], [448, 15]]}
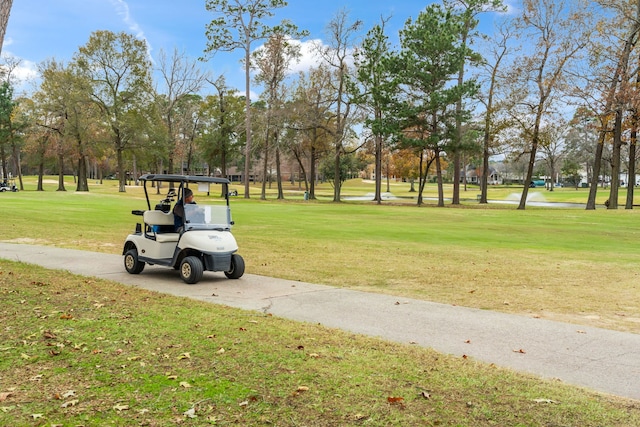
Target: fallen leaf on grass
{"points": [[37, 416], [544, 401], [120, 407], [172, 377], [66, 317], [184, 356], [68, 394], [185, 384], [221, 351], [425, 395], [49, 335], [70, 403], [191, 413], [303, 388], [395, 400], [5, 396]]}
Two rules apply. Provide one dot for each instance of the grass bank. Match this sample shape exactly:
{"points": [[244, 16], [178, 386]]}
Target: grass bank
{"points": [[78, 351]]}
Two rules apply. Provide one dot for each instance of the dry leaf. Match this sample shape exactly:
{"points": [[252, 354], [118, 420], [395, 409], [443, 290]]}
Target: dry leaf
{"points": [[5, 396], [172, 377], [70, 403], [395, 400], [36, 416], [49, 335], [426, 395], [68, 394], [544, 401], [185, 384], [120, 407], [303, 388], [191, 413], [221, 351], [184, 356]]}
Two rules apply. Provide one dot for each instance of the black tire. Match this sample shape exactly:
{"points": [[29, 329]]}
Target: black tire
{"points": [[191, 270], [237, 267], [131, 262]]}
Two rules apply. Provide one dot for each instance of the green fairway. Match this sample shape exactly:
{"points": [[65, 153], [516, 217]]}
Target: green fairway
{"points": [[80, 351], [564, 264]]}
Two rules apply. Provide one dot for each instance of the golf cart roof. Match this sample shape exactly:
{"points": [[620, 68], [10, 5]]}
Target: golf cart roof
{"points": [[183, 178]]}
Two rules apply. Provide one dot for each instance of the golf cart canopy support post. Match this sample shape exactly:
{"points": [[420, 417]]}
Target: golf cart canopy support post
{"points": [[184, 179]]}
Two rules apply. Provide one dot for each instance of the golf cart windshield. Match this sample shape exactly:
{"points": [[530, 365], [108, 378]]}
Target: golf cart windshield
{"points": [[207, 217]]}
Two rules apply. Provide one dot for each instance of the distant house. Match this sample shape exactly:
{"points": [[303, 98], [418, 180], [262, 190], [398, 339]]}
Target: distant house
{"points": [[473, 175]]}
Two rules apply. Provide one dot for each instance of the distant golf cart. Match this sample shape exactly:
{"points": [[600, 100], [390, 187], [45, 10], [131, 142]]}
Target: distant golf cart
{"points": [[8, 185], [204, 243]]}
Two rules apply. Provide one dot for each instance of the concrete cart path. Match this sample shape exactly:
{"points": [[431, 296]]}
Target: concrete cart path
{"points": [[598, 359]]}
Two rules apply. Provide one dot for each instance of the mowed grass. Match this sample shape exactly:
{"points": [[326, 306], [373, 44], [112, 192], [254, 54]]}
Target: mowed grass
{"points": [[557, 263], [76, 351], [80, 351]]}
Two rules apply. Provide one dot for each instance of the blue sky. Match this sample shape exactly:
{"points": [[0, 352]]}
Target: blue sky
{"points": [[45, 29]]}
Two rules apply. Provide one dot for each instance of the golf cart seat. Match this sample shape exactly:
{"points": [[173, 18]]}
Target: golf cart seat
{"points": [[160, 218]]}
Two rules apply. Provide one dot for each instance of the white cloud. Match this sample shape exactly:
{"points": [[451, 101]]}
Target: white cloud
{"points": [[122, 9], [309, 56]]}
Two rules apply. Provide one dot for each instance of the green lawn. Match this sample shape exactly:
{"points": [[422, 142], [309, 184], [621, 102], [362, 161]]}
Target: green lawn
{"points": [[79, 351], [564, 264]]}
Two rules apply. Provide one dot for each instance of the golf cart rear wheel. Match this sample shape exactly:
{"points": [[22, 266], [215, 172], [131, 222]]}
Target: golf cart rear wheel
{"points": [[191, 270], [237, 267], [131, 262]]}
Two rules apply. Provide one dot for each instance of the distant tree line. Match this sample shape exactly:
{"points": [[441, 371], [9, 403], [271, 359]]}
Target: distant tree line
{"points": [[551, 87]]}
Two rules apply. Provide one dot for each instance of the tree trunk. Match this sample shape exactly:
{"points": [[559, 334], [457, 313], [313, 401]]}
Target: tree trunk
{"points": [[265, 167], [532, 158], [631, 180], [61, 171], [121, 172], [40, 187], [439, 177], [615, 161], [247, 94], [279, 174]]}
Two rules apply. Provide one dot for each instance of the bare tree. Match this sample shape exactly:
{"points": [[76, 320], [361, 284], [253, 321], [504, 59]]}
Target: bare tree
{"points": [[181, 78], [612, 72], [273, 62], [337, 55], [558, 32], [499, 52]]}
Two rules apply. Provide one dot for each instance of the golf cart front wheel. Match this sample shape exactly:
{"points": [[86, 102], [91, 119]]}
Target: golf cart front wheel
{"points": [[191, 270], [237, 267], [131, 262]]}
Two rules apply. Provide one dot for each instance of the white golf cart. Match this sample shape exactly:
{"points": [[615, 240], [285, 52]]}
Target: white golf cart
{"points": [[203, 243]]}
